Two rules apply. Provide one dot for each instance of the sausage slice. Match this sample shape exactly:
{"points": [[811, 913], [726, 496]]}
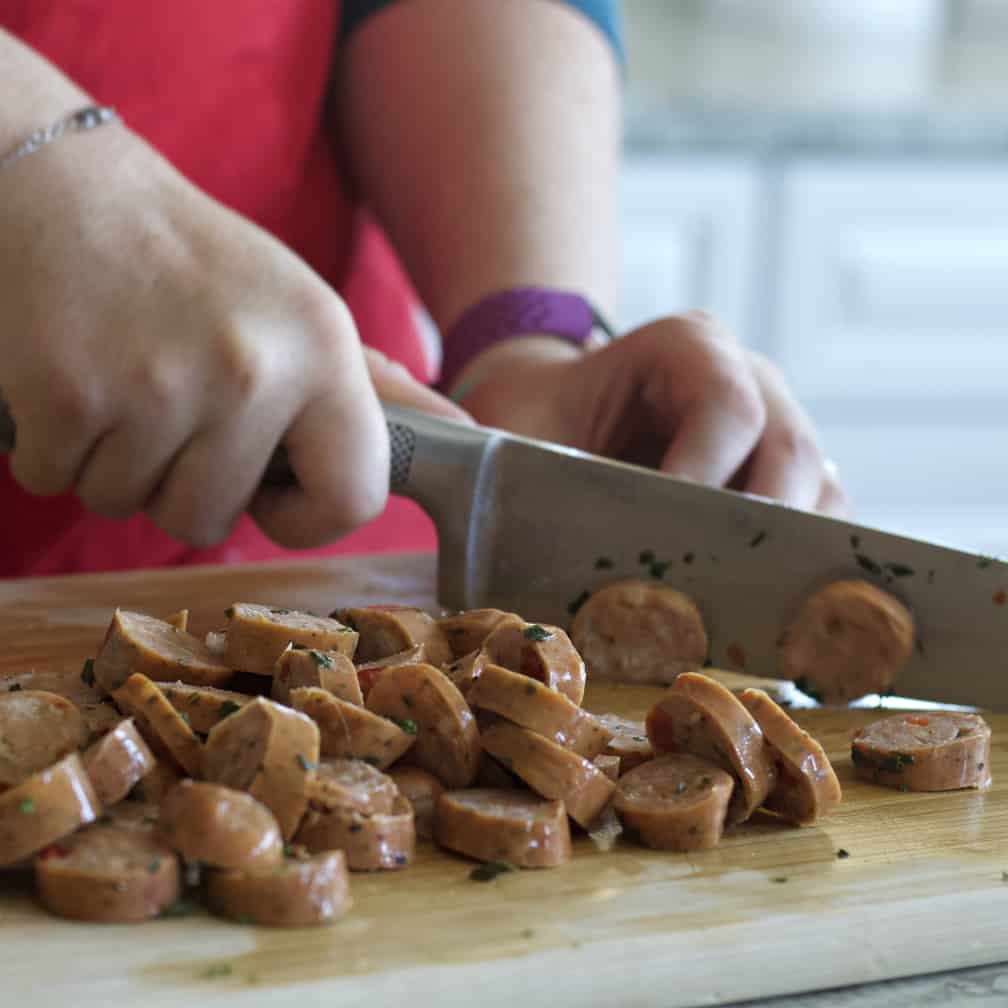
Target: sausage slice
{"points": [[639, 632], [351, 784], [108, 873], [940, 751], [368, 672], [540, 709], [269, 751], [164, 728], [629, 741], [353, 732], [203, 706], [220, 826], [423, 700], [384, 840], [158, 781], [848, 639], [464, 671], [422, 790], [116, 762], [551, 770], [807, 788], [257, 635], [99, 718], [539, 651], [37, 729], [609, 765], [303, 891], [466, 631], [44, 808], [675, 802], [516, 827], [697, 715], [138, 643], [387, 630], [329, 670]]}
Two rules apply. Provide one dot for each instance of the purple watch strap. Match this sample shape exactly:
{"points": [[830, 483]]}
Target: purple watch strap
{"points": [[520, 311]]}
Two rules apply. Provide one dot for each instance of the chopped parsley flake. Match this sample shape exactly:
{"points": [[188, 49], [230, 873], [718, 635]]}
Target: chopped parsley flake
{"points": [[216, 971], [322, 660], [281, 612], [646, 557], [305, 763], [575, 604], [779, 878], [27, 805], [841, 853], [226, 708], [87, 673], [535, 632], [489, 871], [180, 908], [530, 689], [984, 562], [154, 865], [658, 568], [408, 725], [866, 563], [757, 539], [900, 570], [407, 700]]}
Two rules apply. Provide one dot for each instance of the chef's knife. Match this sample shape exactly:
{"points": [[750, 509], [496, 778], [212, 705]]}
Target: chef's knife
{"points": [[534, 527]]}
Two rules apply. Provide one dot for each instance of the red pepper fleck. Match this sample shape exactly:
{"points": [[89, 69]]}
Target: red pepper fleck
{"points": [[923, 722], [736, 655], [1000, 597], [53, 850]]}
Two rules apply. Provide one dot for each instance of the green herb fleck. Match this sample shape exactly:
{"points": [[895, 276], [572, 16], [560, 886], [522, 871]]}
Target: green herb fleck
{"points": [[900, 570], [855, 542], [529, 933], [779, 878], [688, 558], [243, 919], [603, 563], [194, 698], [530, 689], [227, 708], [757, 539], [355, 827], [323, 661], [288, 850], [646, 557], [229, 612], [984, 562], [639, 738], [658, 568], [185, 717], [373, 760], [27, 805], [216, 971], [280, 612], [575, 604], [149, 820], [305, 763], [87, 673], [903, 788], [408, 725], [535, 632], [180, 908], [489, 871], [1004, 876], [841, 853], [866, 563], [154, 865], [407, 700], [14, 689]]}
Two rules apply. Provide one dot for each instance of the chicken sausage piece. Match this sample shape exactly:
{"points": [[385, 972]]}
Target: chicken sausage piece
{"points": [[387, 630], [108, 873], [936, 751], [116, 762], [639, 632], [848, 639], [44, 808], [539, 651], [675, 802], [203, 706], [303, 891], [422, 790], [37, 729], [329, 670], [159, 780], [551, 770], [385, 840], [629, 741], [493, 824], [697, 715], [464, 671], [351, 784], [532, 705], [257, 635], [466, 631], [164, 729], [807, 788], [268, 750], [369, 672], [422, 697], [100, 718], [220, 826], [353, 732], [138, 643]]}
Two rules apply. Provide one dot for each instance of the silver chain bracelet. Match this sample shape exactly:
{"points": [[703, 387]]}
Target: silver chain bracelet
{"points": [[87, 118]]}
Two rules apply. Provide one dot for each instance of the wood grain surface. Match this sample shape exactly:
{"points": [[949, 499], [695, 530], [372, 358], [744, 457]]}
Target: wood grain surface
{"points": [[771, 911]]}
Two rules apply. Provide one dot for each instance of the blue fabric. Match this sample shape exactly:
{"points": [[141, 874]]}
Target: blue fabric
{"points": [[605, 13]]}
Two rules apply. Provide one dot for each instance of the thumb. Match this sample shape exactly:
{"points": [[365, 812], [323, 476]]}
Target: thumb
{"points": [[394, 384]]}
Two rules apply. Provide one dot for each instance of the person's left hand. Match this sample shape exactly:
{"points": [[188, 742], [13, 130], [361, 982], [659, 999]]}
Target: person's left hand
{"points": [[678, 394]]}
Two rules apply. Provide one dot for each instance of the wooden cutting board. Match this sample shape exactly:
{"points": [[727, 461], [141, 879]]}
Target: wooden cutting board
{"points": [[772, 910]]}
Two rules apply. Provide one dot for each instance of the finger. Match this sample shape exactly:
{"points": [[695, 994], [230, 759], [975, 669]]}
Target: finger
{"points": [[832, 499], [394, 384]]}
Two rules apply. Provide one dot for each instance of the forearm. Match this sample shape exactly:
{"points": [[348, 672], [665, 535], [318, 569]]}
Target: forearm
{"points": [[485, 136]]}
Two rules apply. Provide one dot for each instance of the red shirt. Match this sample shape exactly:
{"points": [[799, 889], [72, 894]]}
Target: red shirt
{"points": [[233, 95]]}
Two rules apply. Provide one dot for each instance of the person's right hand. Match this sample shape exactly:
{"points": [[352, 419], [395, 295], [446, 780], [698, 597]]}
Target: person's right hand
{"points": [[155, 347]]}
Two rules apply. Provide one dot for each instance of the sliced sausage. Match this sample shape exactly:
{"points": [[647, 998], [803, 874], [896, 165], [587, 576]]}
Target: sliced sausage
{"points": [[159, 780], [100, 718], [609, 765], [807, 788], [493, 775], [45, 807], [368, 672], [639, 632], [77, 685], [36, 730], [138, 643], [422, 790], [257, 635], [551, 770], [422, 699], [699, 716], [329, 670], [116, 762], [516, 827], [629, 741], [539, 651], [203, 706], [179, 619], [848, 639], [108, 873], [353, 732], [303, 891], [464, 671], [939, 751], [268, 750], [532, 705], [219, 826], [165, 730], [385, 840], [387, 630], [466, 631], [351, 784], [676, 802]]}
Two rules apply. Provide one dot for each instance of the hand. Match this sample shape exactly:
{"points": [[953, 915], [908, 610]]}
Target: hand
{"points": [[155, 347], [677, 394]]}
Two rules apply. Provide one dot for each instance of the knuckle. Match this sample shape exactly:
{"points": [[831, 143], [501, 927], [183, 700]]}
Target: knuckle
{"points": [[243, 364], [76, 405], [740, 396], [796, 445], [325, 320], [159, 386]]}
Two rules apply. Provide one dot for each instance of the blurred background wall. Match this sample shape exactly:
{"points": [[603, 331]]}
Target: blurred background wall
{"points": [[831, 178]]}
